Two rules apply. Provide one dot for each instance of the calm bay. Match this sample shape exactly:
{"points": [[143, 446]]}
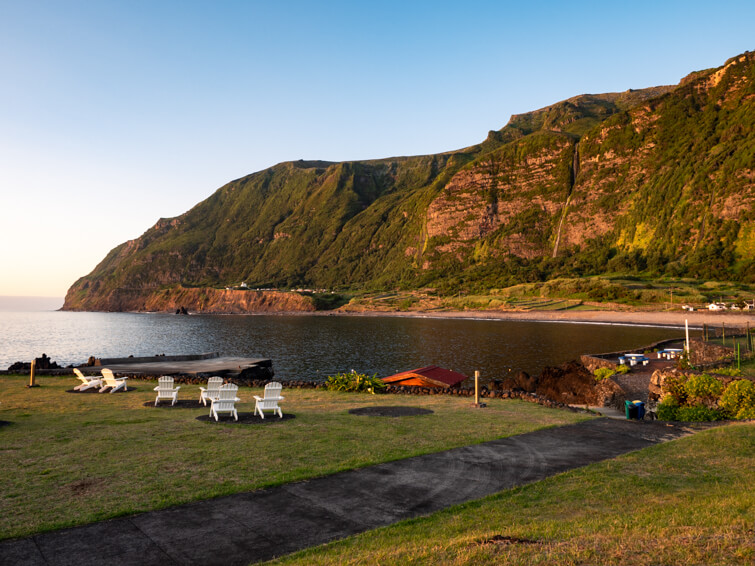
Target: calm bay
{"points": [[313, 347]]}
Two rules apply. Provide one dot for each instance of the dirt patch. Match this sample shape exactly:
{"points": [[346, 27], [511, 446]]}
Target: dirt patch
{"points": [[390, 411], [247, 418], [506, 540], [180, 404], [85, 486]]}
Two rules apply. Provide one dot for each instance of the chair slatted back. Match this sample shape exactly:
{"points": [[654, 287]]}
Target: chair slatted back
{"points": [[214, 384], [273, 390], [226, 399], [165, 383], [109, 378], [165, 387]]}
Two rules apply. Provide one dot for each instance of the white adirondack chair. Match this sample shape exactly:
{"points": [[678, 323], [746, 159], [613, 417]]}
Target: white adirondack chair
{"points": [[114, 383], [270, 401], [87, 381], [166, 390], [225, 402], [213, 386]]}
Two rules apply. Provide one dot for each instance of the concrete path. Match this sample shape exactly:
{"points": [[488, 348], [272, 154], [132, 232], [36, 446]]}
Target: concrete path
{"points": [[259, 525]]}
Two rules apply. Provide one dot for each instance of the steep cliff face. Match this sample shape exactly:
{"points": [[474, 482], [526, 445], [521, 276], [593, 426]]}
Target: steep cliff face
{"points": [[200, 300], [507, 200], [659, 180]]}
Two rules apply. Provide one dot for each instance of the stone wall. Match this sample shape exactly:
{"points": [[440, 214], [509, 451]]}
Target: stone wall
{"points": [[706, 354], [593, 362], [657, 387]]}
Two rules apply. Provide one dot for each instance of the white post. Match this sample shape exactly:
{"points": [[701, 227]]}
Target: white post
{"points": [[477, 388], [686, 330]]}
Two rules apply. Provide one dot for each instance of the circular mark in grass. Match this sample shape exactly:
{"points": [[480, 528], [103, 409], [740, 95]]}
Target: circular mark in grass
{"points": [[247, 418], [86, 486], [390, 411], [505, 540], [180, 404]]}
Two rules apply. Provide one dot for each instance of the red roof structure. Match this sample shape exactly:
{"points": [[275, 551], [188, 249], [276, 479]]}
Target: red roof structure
{"points": [[430, 376]]}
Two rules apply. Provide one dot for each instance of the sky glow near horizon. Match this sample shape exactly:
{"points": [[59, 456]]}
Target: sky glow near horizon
{"points": [[115, 114]]}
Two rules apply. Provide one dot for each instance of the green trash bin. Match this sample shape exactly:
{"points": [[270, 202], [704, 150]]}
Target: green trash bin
{"points": [[630, 409]]}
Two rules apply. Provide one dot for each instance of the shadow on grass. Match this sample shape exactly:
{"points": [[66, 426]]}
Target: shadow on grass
{"points": [[96, 390], [180, 404], [247, 418], [396, 411]]}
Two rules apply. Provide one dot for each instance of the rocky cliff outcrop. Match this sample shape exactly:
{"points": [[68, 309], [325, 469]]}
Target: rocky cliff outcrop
{"points": [[202, 300]]}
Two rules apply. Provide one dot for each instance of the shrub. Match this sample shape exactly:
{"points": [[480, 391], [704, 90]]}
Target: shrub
{"points": [[739, 398], [703, 389], [623, 368], [356, 382], [683, 361], [668, 408], [603, 373], [748, 413], [698, 413], [674, 386], [733, 372]]}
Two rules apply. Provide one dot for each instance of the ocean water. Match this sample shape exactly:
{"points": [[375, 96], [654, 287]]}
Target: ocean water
{"points": [[313, 347]]}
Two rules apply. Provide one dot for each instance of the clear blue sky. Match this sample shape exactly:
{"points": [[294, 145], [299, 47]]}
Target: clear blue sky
{"points": [[116, 113]]}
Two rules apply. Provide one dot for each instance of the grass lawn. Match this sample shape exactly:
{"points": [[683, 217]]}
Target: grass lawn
{"points": [[686, 502], [71, 459]]}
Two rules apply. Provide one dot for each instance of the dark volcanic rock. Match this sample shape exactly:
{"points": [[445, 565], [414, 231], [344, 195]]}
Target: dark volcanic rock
{"points": [[522, 381], [43, 362], [571, 383]]}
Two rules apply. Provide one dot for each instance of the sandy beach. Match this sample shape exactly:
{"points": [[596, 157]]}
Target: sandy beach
{"points": [[695, 319]]}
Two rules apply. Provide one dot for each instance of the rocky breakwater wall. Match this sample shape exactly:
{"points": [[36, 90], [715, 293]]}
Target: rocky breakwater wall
{"points": [[413, 390], [557, 387], [192, 299]]}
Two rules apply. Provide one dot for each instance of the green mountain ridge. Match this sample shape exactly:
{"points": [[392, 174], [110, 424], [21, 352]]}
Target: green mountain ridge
{"points": [[658, 180]]}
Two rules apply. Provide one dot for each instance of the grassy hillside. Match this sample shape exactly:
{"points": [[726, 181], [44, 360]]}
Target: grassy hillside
{"points": [[658, 182]]}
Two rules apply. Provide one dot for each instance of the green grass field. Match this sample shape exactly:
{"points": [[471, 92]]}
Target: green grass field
{"points": [[72, 459], [687, 502]]}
